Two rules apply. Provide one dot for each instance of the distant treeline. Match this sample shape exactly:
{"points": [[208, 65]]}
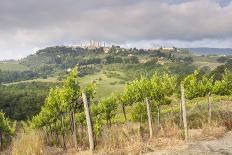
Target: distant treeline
{"points": [[13, 76], [22, 101]]}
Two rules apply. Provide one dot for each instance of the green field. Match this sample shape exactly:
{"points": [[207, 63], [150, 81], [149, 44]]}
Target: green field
{"points": [[12, 67], [208, 64], [211, 62], [104, 85], [49, 79]]}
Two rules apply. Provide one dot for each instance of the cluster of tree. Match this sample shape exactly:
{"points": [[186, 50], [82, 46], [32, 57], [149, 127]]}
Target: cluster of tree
{"points": [[12, 76], [152, 66], [110, 59], [90, 61], [224, 59], [24, 100], [220, 70], [7, 130]]}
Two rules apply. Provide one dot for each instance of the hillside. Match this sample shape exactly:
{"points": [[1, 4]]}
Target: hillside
{"points": [[211, 51], [56, 61], [109, 68], [45, 97]]}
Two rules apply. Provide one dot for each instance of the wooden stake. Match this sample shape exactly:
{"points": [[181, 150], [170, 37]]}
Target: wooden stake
{"points": [[209, 108], [181, 115], [63, 132], [89, 122], [158, 115], [124, 112], [1, 142], [184, 112], [74, 129], [149, 116]]}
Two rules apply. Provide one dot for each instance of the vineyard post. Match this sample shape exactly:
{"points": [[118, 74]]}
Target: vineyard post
{"points": [[209, 108], [184, 112], [1, 141], [149, 116], [71, 122], [74, 129], [63, 131], [181, 114], [158, 113], [124, 112], [88, 120]]}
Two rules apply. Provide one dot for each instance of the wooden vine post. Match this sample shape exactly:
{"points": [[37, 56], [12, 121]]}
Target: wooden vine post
{"points": [[181, 115], [149, 115], [1, 141], [209, 108], [158, 115], [184, 112], [63, 131], [89, 122], [74, 129]]}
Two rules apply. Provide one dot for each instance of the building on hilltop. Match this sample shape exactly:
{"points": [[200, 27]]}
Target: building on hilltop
{"points": [[93, 44]]}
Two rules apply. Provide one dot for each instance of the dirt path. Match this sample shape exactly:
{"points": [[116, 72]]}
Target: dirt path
{"points": [[221, 146]]}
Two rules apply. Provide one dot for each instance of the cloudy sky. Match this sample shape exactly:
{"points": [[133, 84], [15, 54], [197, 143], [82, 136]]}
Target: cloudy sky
{"points": [[28, 25]]}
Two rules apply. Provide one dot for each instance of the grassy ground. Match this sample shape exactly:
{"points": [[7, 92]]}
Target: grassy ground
{"points": [[12, 67], [210, 62], [105, 85], [49, 79], [205, 59], [132, 138], [211, 65]]}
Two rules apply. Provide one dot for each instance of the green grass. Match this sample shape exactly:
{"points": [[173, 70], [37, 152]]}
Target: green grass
{"points": [[105, 86], [208, 64], [205, 59], [12, 67], [49, 79], [211, 62]]}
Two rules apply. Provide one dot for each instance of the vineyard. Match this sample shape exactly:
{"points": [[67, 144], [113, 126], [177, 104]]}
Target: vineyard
{"points": [[146, 109]]}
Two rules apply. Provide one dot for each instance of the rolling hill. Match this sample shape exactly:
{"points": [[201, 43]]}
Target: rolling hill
{"points": [[210, 51]]}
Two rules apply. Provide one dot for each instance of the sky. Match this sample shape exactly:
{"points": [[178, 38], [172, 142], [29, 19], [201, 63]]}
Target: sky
{"points": [[29, 25]]}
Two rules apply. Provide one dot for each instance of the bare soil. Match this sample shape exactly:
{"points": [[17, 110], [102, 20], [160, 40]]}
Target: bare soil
{"points": [[222, 146]]}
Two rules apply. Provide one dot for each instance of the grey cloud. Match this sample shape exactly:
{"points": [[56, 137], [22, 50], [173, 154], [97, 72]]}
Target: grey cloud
{"points": [[31, 23]]}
